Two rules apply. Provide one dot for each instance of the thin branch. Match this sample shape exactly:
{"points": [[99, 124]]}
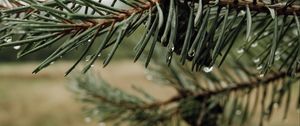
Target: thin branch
{"points": [[240, 86]]}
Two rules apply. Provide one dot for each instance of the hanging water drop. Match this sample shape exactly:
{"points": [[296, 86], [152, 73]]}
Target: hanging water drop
{"points": [[277, 52], [52, 17], [243, 12], [7, 39], [259, 67], [256, 60], [240, 51], [172, 49], [261, 75], [238, 112], [99, 55], [254, 45], [169, 58], [89, 40], [290, 44], [266, 33], [51, 63], [192, 54], [92, 65], [17, 47], [87, 119], [208, 69]]}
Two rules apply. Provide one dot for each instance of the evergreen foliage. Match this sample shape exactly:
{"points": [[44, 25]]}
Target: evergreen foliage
{"points": [[255, 45]]}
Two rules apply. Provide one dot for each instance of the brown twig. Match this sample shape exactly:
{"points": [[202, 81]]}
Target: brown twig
{"points": [[240, 86]]}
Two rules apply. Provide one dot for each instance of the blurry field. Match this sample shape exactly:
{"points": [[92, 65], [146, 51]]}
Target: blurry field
{"points": [[44, 100], [36, 100]]}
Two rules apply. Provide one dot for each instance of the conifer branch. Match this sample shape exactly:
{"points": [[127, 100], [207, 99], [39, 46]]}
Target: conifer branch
{"points": [[240, 86]]}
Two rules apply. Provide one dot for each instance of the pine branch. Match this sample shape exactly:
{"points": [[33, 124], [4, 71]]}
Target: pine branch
{"points": [[216, 28], [119, 17], [282, 8], [208, 102], [240, 86]]}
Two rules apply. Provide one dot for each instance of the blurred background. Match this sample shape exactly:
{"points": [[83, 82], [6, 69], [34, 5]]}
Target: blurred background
{"points": [[44, 99]]}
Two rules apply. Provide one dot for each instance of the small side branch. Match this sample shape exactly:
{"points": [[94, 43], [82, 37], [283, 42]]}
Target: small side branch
{"points": [[240, 86]]}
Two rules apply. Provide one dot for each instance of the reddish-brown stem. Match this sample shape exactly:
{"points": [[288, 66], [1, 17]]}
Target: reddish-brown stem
{"points": [[240, 86]]}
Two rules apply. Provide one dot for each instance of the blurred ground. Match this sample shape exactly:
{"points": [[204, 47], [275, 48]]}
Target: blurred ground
{"points": [[44, 100], [36, 100]]}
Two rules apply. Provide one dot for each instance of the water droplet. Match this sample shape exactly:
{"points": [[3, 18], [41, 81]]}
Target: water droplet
{"points": [[243, 12], [99, 55], [259, 67], [51, 63], [277, 57], [192, 54], [7, 39], [87, 119], [87, 58], [238, 112], [277, 52], [240, 51], [101, 124], [17, 47], [208, 69], [256, 60], [254, 45], [261, 75], [290, 44], [89, 40], [266, 33], [172, 49], [92, 65], [169, 57]]}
